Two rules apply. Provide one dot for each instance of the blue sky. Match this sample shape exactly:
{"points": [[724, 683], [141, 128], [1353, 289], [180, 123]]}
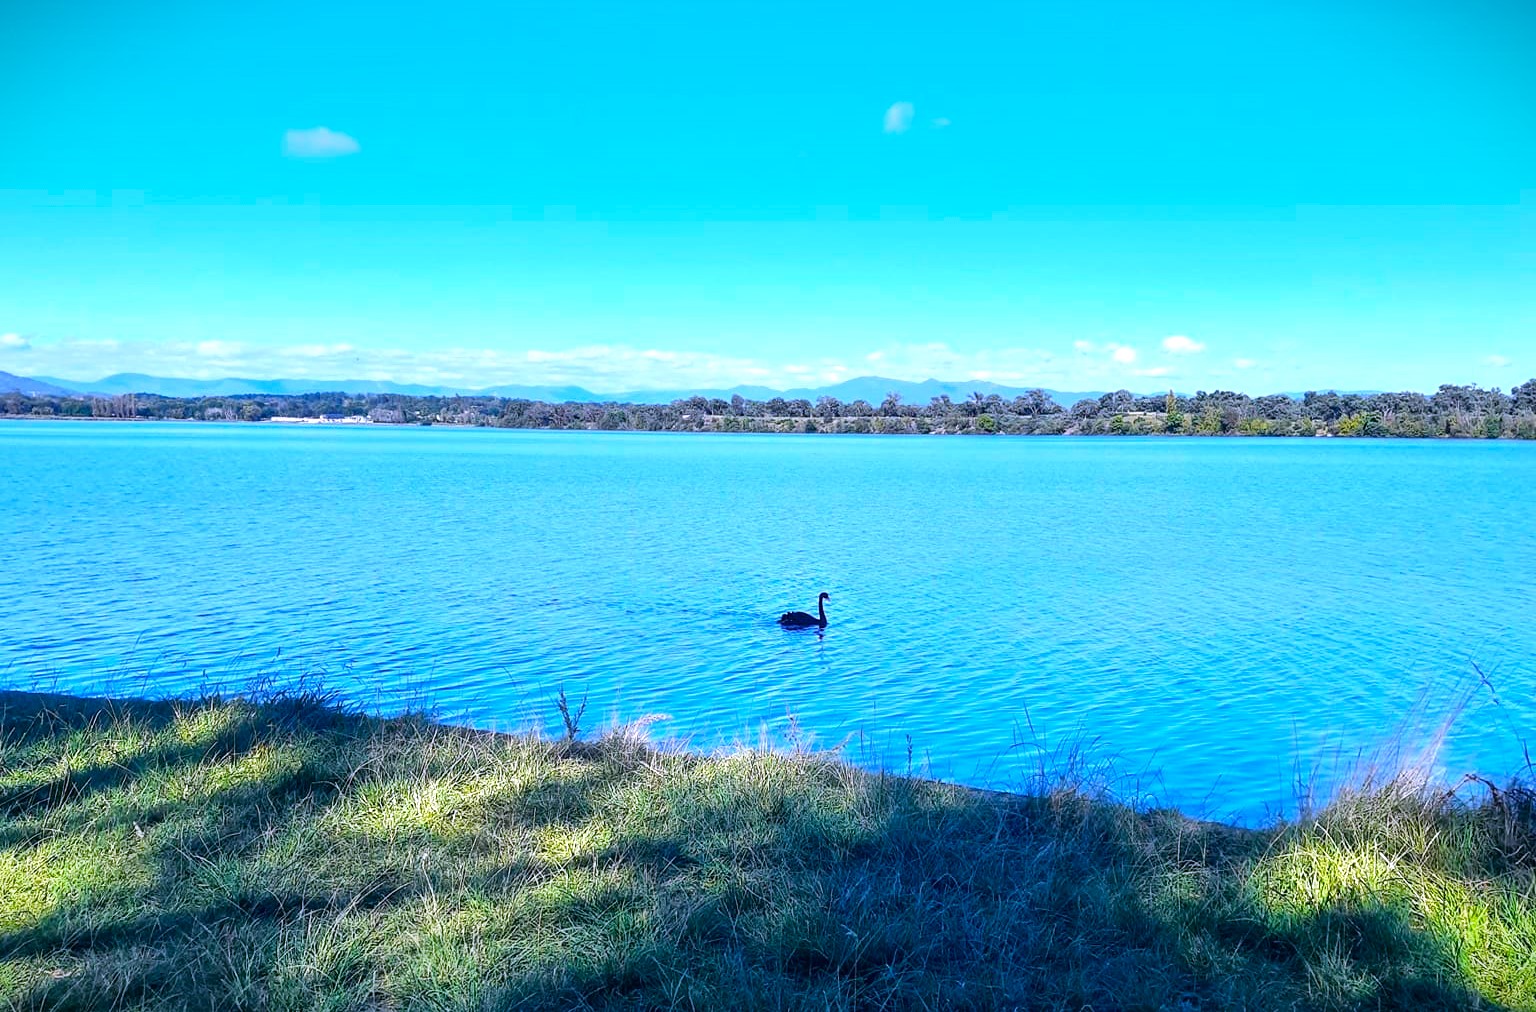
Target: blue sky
{"points": [[1075, 195]]}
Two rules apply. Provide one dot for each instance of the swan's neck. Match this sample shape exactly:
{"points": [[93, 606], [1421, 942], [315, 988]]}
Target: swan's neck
{"points": [[821, 609]]}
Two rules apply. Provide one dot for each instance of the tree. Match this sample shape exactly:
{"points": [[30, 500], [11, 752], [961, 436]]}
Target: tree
{"points": [[1036, 402], [1173, 418], [1324, 407], [1119, 401]]}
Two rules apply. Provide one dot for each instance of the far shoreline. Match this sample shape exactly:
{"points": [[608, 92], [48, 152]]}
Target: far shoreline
{"points": [[1458, 412], [468, 427]]}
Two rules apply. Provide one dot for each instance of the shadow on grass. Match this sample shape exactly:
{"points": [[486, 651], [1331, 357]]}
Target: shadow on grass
{"points": [[297, 857]]}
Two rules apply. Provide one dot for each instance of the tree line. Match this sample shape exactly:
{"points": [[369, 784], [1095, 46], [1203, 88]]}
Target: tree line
{"points": [[1454, 411]]}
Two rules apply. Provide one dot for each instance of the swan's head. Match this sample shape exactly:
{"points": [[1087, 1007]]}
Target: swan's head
{"points": [[825, 596]]}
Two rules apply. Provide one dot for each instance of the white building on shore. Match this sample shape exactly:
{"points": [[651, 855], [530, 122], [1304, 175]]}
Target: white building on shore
{"points": [[323, 420]]}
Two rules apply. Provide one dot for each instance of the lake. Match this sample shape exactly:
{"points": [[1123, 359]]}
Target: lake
{"points": [[1215, 620]]}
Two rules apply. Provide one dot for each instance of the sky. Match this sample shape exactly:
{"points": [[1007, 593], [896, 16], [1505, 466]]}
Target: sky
{"points": [[1079, 195]]}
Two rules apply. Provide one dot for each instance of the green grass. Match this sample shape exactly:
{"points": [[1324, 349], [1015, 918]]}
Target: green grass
{"points": [[230, 855]]}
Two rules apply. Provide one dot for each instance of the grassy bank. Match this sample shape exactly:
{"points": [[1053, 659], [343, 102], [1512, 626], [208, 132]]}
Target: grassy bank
{"points": [[227, 855]]}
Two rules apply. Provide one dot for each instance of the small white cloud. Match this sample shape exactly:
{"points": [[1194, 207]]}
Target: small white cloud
{"points": [[1083, 346], [898, 118], [1124, 355], [14, 342], [1497, 361], [217, 349], [1178, 344], [318, 142], [941, 122], [874, 356], [1244, 363], [1157, 370]]}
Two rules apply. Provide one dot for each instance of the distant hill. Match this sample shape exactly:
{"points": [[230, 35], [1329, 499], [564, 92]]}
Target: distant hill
{"points": [[869, 388], [10, 383], [169, 386], [866, 388], [874, 388], [553, 395], [139, 383]]}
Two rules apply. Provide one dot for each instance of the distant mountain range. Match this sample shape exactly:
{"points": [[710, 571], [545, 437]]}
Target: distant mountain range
{"points": [[869, 388], [11, 383]]}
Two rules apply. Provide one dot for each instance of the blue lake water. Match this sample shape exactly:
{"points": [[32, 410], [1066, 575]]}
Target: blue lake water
{"points": [[1217, 618]]}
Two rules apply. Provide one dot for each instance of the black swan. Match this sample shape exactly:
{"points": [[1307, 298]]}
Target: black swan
{"points": [[800, 620]]}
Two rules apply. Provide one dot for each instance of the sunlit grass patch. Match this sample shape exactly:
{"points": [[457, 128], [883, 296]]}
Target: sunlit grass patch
{"points": [[559, 845], [440, 950], [1405, 867], [27, 974], [69, 873], [390, 810], [204, 723], [1476, 931], [201, 782], [753, 801], [582, 894], [462, 802]]}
